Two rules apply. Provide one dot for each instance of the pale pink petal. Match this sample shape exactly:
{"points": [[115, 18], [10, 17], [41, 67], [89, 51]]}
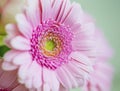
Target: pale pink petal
{"points": [[84, 40], [9, 66], [51, 79], [46, 10], [77, 71], [83, 45], [30, 75], [102, 74], [80, 58], [104, 52], [24, 26], [84, 32], [76, 28], [8, 57], [46, 87], [33, 12], [33, 80], [70, 76], [22, 58], [12, 32], [74, 16], [28, 82], [88, 29], [37, 80], [63, 78], [22, 72], [20, 88], [56, 6], [20, 43], [64, 10]]}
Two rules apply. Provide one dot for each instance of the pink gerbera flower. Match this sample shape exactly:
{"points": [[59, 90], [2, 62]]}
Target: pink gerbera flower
{"points": [[9, 82], [49, 45]]}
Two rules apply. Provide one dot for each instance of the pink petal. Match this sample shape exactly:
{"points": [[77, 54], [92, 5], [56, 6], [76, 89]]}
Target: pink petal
{"points": [[20, 43], [63, 78], [33, 12], [22, 58], [8, 66], [71, 77], [105, 51], [80, 58], [74, 16], [83, 30], [34, 80], [57, 4], [8, 57], [88, 29], [20, 88], [83, 45], [24, 27], [78, 73], [22, 72], [76, 28], [51, 80], [64, 9], [30, 75], [46, 87], [28, 82], [12, 32], [37, 79], [102, 74], [46, 9]]}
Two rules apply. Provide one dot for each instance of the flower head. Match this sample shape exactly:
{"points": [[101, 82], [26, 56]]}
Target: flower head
{"points": [[50, 45]]}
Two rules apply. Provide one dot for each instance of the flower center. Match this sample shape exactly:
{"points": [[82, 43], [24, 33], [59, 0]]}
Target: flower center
{"points": [[51, 44]]}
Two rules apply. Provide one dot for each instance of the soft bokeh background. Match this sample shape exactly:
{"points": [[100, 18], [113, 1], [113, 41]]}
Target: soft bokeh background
{"points": [[107, 16]]}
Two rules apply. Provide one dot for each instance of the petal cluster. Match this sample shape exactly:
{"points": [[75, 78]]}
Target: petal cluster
{"points": [[53, 46]]}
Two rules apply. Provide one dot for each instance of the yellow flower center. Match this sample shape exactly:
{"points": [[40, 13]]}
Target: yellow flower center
{"points": [[50, 45]]}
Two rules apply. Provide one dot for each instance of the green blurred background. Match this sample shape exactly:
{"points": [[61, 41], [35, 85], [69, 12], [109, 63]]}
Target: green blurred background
{"points": [[107, 16]]}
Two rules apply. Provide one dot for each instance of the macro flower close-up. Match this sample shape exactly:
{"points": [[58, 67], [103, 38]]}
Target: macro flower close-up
{"points": [[57, 45], [50, 45]]}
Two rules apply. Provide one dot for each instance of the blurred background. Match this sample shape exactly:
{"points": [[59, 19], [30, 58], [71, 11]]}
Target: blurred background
{"points": [[107, 16]]}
